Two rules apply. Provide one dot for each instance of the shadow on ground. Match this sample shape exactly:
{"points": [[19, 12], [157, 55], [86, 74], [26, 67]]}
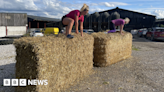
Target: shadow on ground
{"points": [[7, 72]]}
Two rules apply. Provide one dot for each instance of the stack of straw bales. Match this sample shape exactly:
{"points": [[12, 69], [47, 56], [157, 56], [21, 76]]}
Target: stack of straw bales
{"points": [[111, 48], [59, 60]]}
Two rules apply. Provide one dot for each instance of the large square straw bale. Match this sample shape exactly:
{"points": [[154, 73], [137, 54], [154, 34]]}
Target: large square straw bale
{"points": [[61, 61], [111, 48]]}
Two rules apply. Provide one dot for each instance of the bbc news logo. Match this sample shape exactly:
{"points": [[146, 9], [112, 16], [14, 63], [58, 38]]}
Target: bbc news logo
{"points": [[23, 82]]}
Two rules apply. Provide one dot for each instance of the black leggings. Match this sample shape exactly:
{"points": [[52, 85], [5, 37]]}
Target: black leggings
{"points": [[112, 26]]}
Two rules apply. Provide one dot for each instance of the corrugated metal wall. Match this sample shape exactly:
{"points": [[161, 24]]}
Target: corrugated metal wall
{"points": [[97, 22], [137, 20], [13, 19]]}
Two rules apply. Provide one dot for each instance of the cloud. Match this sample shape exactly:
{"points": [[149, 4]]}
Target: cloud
{"points": [[92, 10], [159, 13], [18, 5], [109, 4], [51, 8], [46, 8], [96, 7], [113, 4]]}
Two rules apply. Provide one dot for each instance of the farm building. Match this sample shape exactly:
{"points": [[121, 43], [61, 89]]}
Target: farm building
{"points": [[101, 19], [159, 23], [99, 22], [39, 22], [12, 24]]}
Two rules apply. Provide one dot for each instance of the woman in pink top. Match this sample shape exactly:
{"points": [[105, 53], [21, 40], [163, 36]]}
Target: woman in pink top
{"points": [[118, 22], [74, 16]]}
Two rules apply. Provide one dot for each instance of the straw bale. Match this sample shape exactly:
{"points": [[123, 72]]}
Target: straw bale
{"points": [[111, 48], [61, 61]]}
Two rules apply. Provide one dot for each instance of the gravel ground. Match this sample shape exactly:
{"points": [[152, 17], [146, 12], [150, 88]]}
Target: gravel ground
{"points": [[7, 65], [143, 72]]}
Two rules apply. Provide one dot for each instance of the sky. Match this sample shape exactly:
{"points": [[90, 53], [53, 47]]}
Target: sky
{"points": [[58, 8]]}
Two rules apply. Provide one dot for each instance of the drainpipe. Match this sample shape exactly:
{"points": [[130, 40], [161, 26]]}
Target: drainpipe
{"points": [[6, 30], [26, 28], [37, 24], [44, 25]]}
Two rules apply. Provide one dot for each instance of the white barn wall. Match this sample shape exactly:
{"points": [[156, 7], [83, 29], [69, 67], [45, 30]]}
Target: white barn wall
{"points": [[2, 31], [12, 31], [16, 30]]}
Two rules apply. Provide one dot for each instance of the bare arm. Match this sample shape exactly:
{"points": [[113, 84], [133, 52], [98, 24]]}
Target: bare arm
{"points": [[81, 28], [76, 23], [121, 29]]}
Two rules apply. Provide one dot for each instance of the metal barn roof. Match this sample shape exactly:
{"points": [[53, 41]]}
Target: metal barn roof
{"points": [[127, 10], [38, 18]]}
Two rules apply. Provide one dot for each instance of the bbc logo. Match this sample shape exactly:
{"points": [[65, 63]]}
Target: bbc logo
{"points": [[14, 82]]}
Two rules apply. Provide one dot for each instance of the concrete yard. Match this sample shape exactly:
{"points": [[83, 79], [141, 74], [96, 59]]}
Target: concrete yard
{"points": [[143, 72]]}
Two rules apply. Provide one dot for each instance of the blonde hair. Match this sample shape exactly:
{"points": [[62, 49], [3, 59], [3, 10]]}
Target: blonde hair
{"points": [[126, 20], [85, 7]]}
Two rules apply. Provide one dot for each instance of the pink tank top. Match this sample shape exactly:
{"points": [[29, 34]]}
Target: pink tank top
{"points": [[73, 13], [118, 22]]}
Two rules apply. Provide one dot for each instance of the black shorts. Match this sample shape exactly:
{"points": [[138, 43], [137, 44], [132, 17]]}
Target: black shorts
{"points": [[62, 21]]}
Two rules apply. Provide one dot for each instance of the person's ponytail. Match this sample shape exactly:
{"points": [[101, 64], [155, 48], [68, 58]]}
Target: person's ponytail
{"points": [[84, 8]]}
